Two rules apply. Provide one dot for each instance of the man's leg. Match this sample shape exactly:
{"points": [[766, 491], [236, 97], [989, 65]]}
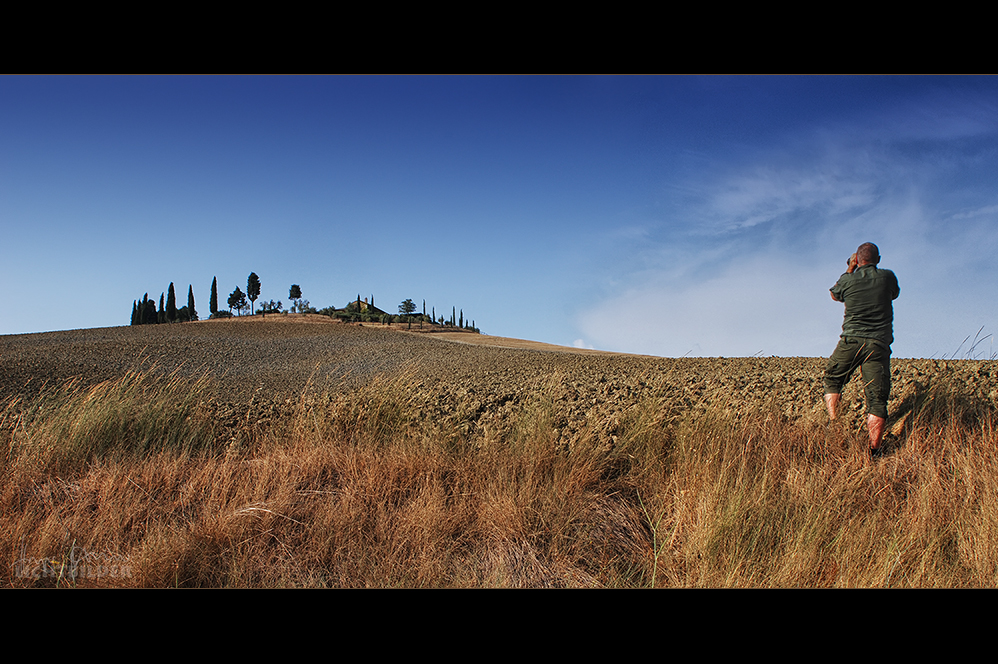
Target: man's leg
{"points": [[838, 371], [832, 404], [877, 378], [875, 427]]}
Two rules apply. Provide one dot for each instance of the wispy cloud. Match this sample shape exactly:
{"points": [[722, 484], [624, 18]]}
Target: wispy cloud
{"points": [[769, 195], [986, 211]]}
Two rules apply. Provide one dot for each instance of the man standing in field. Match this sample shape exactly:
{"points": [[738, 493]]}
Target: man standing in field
{"points": [[867, 334]]}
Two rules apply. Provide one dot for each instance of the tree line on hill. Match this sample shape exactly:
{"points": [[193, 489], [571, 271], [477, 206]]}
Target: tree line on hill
{"points": [[144, 311]]}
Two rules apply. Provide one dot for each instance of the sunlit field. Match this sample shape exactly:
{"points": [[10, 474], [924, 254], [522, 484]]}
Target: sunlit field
{"points": [[145, 480]]}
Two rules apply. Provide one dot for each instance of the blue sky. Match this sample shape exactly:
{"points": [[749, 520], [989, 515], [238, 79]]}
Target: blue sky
{"points": [[660, 215]]}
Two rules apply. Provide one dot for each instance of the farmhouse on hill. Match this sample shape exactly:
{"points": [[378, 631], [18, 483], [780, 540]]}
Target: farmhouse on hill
{"points": [[364, 307]]}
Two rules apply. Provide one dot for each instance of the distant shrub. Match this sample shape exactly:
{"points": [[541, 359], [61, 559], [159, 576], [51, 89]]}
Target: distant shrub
{"points": [[270, 307], [222, 314]]}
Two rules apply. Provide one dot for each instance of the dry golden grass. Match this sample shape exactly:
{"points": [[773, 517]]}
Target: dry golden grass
{"points": [[130, 484]]}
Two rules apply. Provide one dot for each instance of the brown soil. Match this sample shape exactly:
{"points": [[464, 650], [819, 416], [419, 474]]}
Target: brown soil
{"points": [[506, 342], [258, 368]]}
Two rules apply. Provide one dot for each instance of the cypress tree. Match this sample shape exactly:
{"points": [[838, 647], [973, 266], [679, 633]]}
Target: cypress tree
{"points": [[192, 315], [148, 316], [213, 302], [460, 322], [161, 314], [171, 304], [135, 310]]}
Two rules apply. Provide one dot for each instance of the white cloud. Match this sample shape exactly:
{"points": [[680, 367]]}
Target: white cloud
{"points": [[752, 307]]}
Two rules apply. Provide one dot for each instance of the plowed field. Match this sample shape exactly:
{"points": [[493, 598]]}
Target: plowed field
{"points": [[258, 368]]}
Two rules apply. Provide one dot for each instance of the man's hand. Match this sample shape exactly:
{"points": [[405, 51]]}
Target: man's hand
{"points": [[851, 263]]}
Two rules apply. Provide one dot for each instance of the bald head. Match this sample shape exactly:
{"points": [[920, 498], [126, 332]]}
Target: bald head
{"points": [[867, 254]]}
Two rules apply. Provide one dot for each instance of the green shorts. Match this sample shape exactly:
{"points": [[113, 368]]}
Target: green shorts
{"points": [[873, 359]]}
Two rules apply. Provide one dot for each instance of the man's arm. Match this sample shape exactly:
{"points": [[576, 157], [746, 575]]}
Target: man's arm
{"points": [[851, 265]]}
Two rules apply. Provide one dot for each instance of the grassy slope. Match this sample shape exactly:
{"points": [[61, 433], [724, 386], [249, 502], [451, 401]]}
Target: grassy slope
{"points": [[132, 483]]}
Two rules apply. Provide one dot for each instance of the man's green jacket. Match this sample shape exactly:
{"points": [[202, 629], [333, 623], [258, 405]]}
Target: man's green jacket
{"points": [[868, 294]]}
